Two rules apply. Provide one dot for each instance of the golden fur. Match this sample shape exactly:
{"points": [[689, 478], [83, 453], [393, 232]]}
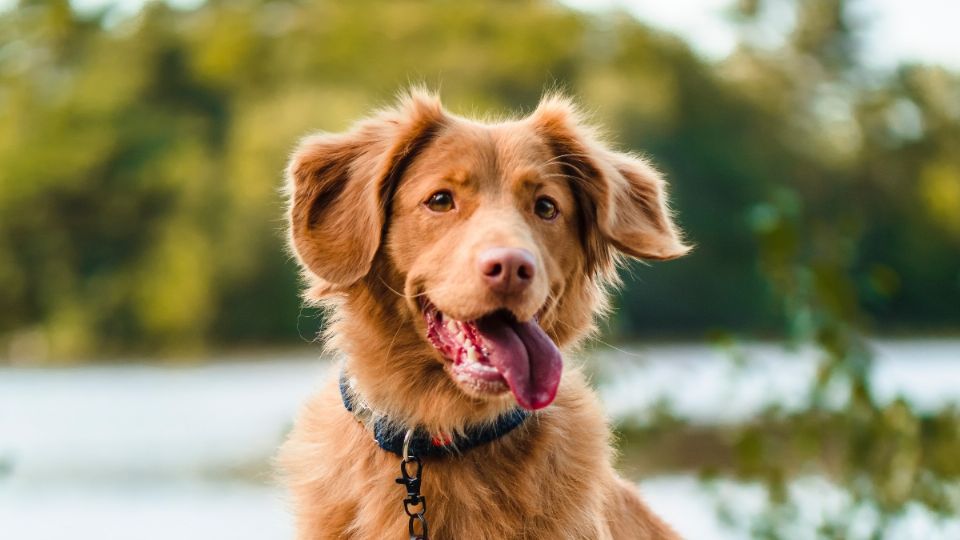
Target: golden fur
{"points": [[369, 252]]}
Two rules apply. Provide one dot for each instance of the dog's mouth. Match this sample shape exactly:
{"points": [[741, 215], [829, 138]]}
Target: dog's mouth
{"points": [[496, 352]]}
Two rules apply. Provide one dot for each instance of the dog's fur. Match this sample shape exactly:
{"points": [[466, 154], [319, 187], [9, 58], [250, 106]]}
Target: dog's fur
{"points": [[370, 250]]}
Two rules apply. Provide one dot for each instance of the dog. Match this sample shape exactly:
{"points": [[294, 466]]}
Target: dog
{"points": [[457, 259]]}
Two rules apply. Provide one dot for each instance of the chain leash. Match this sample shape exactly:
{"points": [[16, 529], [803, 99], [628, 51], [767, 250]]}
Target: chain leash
{"points": [[415, 504]]}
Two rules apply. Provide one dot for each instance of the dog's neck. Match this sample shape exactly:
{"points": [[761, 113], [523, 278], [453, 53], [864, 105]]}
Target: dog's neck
{"points": [[398, 438]]}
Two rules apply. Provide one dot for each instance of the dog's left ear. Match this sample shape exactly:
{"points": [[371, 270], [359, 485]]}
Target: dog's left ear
{"points": [[340, 185], [625, 196]]}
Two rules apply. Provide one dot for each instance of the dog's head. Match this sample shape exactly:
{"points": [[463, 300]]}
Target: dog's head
{"points": [[500, 236]]}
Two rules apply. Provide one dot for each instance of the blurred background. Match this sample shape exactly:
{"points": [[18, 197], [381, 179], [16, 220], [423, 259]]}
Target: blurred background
{"points": [[797, 376]]}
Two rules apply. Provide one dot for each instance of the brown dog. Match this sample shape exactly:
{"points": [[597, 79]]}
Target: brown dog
{"points": [[458, 258]]}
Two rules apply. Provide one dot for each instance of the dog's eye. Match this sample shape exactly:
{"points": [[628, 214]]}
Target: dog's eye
{"points": [[441, 201], [546, 208]]}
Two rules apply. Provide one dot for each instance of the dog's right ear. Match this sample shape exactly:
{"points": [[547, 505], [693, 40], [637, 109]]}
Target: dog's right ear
{"points": [[340, 185], [622, 196]]}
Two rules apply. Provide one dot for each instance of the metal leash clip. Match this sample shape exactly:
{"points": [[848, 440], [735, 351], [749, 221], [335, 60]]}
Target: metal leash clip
{"points": [[415, 504]]}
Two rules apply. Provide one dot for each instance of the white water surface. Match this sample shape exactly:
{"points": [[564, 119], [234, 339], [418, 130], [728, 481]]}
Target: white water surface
{"points": [[149, 452]]}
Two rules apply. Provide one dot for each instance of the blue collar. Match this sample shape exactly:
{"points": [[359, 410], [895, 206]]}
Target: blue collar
{"points": [[424, 444]]}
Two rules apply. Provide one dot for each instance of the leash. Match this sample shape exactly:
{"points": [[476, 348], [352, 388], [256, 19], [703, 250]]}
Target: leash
{"points": [[415, 505]]}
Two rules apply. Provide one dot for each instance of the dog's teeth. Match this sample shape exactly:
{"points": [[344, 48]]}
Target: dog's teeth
{"points": [[451, 326], [471, 354]]}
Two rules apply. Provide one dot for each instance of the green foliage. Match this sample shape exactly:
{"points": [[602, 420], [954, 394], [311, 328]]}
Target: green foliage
{"points": [[843, 243], [140, 160]]}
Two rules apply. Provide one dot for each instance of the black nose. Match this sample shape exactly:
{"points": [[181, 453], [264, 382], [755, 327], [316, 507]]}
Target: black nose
{"points": [[507, 270]]}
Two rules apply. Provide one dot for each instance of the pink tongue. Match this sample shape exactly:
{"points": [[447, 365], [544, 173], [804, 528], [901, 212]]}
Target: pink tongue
{"points": [[526, 358]]}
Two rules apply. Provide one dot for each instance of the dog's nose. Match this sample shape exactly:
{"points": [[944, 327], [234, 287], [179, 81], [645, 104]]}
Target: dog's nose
{"points": [[507, 270]]}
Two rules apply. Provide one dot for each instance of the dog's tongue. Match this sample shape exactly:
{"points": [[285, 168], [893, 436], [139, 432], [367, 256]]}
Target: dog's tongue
{"points": [[526, 358]]}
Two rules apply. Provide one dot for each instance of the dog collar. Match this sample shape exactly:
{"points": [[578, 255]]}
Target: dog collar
{"points": [[422, 443]]}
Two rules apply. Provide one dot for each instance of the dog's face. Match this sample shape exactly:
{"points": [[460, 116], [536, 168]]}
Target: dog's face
{"points": [[500, 235], [484, 228]]}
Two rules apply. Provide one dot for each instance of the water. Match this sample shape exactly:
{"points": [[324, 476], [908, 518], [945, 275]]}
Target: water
{"points": [[703, 385], [146, 452]]}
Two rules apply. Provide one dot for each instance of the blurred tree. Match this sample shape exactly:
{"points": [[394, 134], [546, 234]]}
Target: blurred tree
{"points": [[834, 240], [140, 159]]}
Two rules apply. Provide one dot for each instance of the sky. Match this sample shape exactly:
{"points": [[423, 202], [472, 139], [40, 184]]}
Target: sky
{"points": [[923, 31], [898, 30]]}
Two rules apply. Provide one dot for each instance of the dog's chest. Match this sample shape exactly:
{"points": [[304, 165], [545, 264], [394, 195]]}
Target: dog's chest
{"points": [[481, 496]]}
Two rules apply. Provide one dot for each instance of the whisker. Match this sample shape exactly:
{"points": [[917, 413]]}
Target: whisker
{"points": [[572, 154], [391, 289], [575, 168], [604, 343], [412, 296], [567, 177], [394, 340]]}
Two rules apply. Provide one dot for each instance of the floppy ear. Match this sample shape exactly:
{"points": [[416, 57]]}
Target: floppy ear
{"points": [[625, 196], [340, 185]]}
